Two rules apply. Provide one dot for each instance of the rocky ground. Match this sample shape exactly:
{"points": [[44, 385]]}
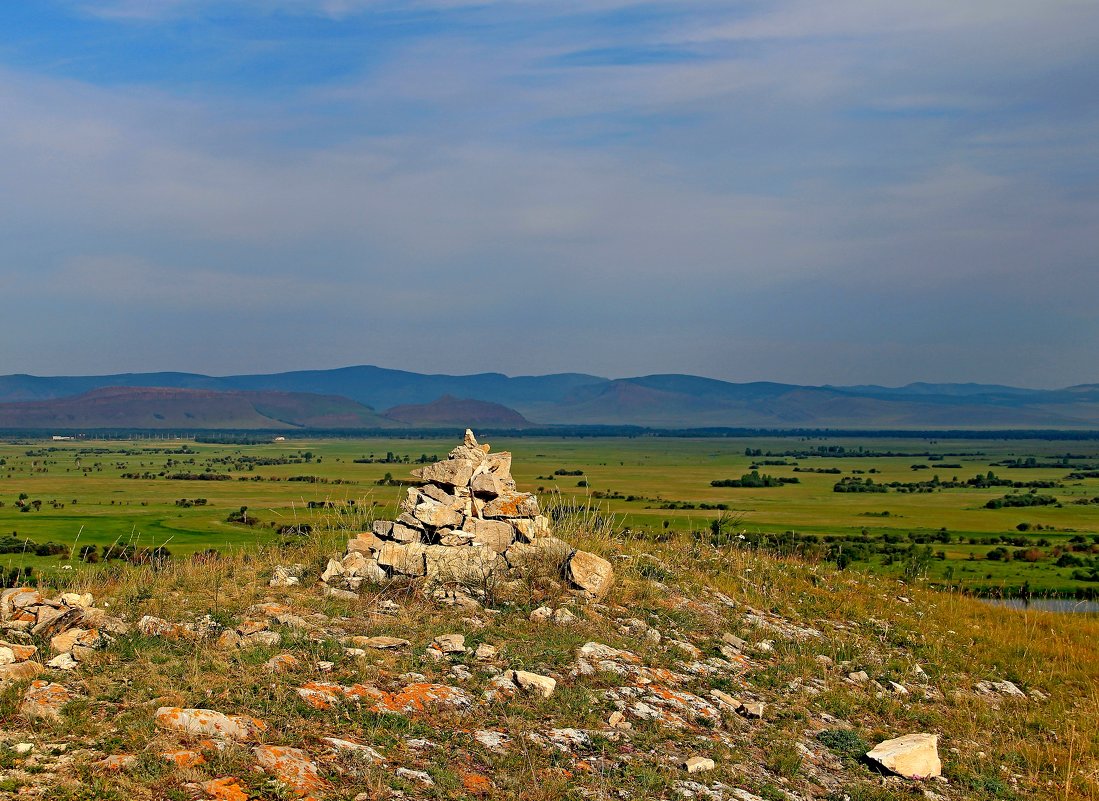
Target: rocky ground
{"points": [[658, 691], [700, 673]]}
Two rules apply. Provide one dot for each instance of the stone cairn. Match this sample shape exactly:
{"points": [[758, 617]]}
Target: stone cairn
{"points": [[466, 528]]}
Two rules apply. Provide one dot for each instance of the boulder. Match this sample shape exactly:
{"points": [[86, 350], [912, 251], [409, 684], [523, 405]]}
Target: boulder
{"points": [[471, 567], [590, 573], [291, 766], [914, 756]]}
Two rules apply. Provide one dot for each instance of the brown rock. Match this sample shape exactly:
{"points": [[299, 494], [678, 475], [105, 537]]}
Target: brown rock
{"points": [[19, 671]]}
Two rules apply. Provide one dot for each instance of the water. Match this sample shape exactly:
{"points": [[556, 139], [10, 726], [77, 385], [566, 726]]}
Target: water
{"points": [[1047, 604]]}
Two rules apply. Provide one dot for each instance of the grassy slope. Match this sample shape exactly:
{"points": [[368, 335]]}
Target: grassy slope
{"points": [[1039, 750]]}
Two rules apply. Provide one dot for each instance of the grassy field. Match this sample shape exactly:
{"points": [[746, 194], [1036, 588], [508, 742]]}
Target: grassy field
{"points": [[101, 493]]}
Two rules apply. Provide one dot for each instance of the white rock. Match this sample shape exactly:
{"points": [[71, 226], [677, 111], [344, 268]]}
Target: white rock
{"points": [[592, 574], [63, 661], [492, 740], [532, 683], [914, 756], [340, 744], [450, 643], [563, 616], [698, 764], [485, 652], [416, 775]]}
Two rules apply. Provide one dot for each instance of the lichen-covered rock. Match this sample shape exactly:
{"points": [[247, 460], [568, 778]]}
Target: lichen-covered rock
{"points": [[512, 504], [44, 700], [210, 723], [291, 766]]}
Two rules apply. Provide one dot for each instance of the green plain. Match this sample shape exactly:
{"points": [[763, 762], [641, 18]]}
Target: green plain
{"points": [[86, 501]]}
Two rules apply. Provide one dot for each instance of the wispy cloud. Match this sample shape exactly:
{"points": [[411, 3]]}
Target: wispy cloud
{"points": [[611, 186]]}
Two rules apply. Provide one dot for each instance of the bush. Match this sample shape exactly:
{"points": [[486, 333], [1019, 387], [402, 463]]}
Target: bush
{"points": [[844, 742]]}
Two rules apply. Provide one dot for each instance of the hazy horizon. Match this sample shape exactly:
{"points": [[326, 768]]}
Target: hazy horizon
{"points": [[408, 369], [871, 192]]}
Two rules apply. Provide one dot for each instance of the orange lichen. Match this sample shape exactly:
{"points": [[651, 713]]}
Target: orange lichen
{"points": [[207, 721], [184, 758], [281, 663], [116, 762], [327, 694], [418, 697], [44, 699], [476, 784], [291, 766], [225, 789], [22, 652]]}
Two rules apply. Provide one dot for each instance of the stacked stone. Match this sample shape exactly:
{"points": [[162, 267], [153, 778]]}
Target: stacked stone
{"points": [[467, 524], [73, 626]]}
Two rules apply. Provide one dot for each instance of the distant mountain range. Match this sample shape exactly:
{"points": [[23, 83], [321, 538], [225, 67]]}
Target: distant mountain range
{"points": [[373, 398]]}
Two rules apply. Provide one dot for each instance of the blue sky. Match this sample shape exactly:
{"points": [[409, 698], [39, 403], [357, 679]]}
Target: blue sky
{"points": [[862, 191]]}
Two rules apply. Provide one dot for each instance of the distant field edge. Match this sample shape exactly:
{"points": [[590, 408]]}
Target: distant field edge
{"points": [[624, 431]]}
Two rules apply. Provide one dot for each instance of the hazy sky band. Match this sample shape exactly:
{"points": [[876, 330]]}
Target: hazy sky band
{"points": [[858, 191]]}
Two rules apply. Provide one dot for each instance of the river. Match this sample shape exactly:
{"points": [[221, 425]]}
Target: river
{"points": [[1047, 604]]}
